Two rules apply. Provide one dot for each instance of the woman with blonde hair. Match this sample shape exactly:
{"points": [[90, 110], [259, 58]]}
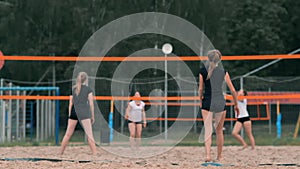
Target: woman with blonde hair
{"points": [[81, 108], [211, 79]]}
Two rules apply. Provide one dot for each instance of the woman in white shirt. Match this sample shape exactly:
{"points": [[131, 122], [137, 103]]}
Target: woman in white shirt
{"points": [[136, 116], [243, 120]]}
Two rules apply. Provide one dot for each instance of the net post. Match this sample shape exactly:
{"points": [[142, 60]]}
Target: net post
{"points": [[122, 113], [278, 122], [166, 101], [24, 116], [18, 116], [9, 116], [52, 117], [270, 119], [37, 120], [297, 127], [47, 119], [111, 135], [42, 119], [241, 82], [31, 120], [57, 118], [160, 121], [2, 114]]}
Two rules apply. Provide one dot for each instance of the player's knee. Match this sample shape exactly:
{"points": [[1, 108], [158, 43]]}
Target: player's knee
{"points": [[234, 133], [219, 129]]}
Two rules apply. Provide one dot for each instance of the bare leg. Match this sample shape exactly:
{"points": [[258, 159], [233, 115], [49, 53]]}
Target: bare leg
{"points": [[70, 130], [219, 123], [132, 131], [248, 129], [207, 118], [235, 133], [87, 125], [138, 134]]}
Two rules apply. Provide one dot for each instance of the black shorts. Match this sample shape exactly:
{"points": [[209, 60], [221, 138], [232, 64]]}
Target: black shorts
{"points": [[215, 105], [138, 122], [243, 119], [73, 115]]}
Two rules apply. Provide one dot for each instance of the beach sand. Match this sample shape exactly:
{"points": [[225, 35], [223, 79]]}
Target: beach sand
{"points": [[177, 157]]}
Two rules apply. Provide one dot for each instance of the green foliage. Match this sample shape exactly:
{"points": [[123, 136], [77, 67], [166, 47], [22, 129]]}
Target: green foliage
{"points": [[255, 27], [260, 27], [54, 27]]}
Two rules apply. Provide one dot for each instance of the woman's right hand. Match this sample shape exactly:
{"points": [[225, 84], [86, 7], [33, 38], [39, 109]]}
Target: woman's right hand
{"points": [[126, 116]]}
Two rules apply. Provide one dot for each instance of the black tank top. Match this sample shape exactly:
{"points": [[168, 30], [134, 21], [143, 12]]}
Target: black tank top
{"points": [[81, 100], [213, 85]]}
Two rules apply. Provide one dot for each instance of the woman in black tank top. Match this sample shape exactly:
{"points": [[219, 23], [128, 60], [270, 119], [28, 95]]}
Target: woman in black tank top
{"points": [[81, 108]]}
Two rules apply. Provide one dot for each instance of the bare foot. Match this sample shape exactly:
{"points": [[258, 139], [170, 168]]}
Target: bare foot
{"points": [[219, 159], [244, 147], [208, 159], [96, 155], [61, 153]]}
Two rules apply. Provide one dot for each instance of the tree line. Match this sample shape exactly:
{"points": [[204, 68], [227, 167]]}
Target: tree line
{"points": [[60, 28]]}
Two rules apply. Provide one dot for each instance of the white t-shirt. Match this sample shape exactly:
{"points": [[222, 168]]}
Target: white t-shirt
{"points": [[136, 114], [243, 108]]}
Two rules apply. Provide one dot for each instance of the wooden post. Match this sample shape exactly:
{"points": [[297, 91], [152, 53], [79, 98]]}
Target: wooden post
{"points": [[297, 127]]}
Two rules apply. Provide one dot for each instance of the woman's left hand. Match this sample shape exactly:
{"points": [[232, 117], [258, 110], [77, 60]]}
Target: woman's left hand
{"points": [[144, 124]]}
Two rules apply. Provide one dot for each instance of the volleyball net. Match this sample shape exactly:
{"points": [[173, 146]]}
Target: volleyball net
{"points": [[43, 121]]}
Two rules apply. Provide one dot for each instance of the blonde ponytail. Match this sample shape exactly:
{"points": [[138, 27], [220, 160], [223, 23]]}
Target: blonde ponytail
{"points": [[211, 68], [214, 57], [81, 78]]}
